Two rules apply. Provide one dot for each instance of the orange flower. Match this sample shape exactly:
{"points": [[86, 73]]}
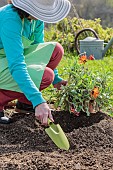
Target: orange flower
{"points": [[83, 59], [91, 57], [95, 92]]}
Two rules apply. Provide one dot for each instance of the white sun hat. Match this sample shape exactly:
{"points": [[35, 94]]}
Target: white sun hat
{"points": [[49, 11]]}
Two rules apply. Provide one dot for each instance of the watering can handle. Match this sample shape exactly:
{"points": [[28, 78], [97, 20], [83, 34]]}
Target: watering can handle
{"points": [[77, 35]]}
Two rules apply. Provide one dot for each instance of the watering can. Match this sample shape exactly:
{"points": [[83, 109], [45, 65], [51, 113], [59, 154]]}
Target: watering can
{"points": [[92, 45]]}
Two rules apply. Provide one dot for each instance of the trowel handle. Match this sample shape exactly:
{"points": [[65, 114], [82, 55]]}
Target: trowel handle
{"points": [[49, 122]]}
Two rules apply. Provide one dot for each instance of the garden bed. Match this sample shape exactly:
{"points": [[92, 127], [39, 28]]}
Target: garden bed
{"points": [[25, 145]]}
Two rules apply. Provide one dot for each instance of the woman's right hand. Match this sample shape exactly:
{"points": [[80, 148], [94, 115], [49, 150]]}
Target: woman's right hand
{"points": [[42, 113]]}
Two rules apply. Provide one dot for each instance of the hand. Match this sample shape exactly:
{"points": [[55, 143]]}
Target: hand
{"points": [[61, 83], [42, 113]]}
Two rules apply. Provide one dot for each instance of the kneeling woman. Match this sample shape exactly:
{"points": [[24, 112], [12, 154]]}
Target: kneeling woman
{"points": [[27, 64]]}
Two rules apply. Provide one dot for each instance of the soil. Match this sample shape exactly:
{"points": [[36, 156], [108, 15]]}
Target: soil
{"points": [[24, 145]]}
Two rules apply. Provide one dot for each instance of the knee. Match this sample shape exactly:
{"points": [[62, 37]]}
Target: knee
{"points": [[59, 49], [48, 75], [51, 75], [47, 78]]}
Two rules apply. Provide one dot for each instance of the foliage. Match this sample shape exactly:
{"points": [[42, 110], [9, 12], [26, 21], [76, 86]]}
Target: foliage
{"points": [[65, 31], [78, 93], [105, 67]]}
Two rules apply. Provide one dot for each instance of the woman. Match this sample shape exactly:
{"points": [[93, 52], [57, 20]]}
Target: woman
{"points": [[26, 67]]}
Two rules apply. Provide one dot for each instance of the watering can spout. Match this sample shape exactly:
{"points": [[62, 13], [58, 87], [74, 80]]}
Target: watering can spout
{"points": [[107, 47]]}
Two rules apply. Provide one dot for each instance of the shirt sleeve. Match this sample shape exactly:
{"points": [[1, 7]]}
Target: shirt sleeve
{"points": [[12, 43], [57, 78]]}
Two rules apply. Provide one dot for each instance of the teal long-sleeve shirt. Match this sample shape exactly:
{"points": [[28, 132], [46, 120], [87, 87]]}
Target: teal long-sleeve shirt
{"points": [[11, 30], [11, 42], [33, 30]]}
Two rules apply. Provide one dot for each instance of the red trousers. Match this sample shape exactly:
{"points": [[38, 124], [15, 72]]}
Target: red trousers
{"points": [[48, 77]]}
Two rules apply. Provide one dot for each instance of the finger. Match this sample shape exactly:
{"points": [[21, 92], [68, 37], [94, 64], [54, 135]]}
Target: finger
{"points": [[50, 116], [65, 83], [45, 120], [39, 117]]}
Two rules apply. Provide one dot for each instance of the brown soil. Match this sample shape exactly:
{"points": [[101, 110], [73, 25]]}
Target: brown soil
{"points": [[25, 145]]}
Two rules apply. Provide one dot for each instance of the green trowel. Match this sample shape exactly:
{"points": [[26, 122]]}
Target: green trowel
{"points": [[57, 135]]}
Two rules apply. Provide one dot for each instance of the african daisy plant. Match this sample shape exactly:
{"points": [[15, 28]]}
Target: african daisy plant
{"points": [[86, 91]]}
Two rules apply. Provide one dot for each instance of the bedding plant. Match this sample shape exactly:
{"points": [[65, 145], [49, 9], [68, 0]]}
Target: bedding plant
{"points": [[87, 91]]}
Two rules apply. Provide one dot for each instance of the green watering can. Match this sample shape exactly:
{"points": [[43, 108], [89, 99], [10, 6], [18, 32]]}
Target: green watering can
{"points": [[57, 135], [92, 45]]}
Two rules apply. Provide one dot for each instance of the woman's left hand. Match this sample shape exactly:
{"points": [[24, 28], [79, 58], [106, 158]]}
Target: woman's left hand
{"points": [[61, 83]]}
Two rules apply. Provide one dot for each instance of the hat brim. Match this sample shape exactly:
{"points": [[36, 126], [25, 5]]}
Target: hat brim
{"points": [[53, 15]]}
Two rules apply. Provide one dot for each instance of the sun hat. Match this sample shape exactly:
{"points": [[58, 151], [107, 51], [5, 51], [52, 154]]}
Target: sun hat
{"points": [[49, 11]]}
